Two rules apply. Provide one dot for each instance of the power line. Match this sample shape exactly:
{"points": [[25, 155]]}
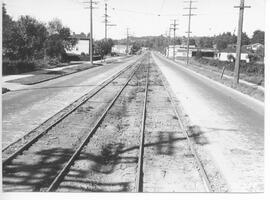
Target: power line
{"points": [[239, 38], [189, 21]]}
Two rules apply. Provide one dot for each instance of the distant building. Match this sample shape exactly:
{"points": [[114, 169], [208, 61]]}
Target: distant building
{"points": [[255, 47], [181, 51], [224, 55], [121, 49], [82, 47]]}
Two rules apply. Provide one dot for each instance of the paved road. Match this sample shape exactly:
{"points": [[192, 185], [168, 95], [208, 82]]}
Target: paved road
{"points": [[228, 125], [25, 109]]}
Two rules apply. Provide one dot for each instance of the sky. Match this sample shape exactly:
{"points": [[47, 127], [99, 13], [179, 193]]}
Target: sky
{"points": [[144, 17]]}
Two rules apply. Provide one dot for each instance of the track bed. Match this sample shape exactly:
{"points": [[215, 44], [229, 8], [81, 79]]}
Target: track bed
{"points": [[128, 137]]}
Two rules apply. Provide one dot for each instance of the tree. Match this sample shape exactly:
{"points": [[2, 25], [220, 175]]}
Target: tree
{"points": [[231, 58], [245, 39], [8, 26], [28, 38], [192, 41], [135, 47], [224, 39], [103, 47], [110, 45], [59, 40], [204, 42], [178, 41], [221, 44], [54, 26], [82, 35], [260, 52], [258, 37]]}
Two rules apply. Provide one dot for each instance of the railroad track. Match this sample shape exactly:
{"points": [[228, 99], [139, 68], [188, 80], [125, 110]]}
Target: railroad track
{"points": [[25, 142], [64, 172], [140, 172], [7, 163]]}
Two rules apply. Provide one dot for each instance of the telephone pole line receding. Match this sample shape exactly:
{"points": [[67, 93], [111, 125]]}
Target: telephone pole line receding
{"points": [[239, 40], [189, 21], [174, 29], [91, 30]]}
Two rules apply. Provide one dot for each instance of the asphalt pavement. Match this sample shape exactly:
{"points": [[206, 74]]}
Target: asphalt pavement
{"points": [[228, 125]]}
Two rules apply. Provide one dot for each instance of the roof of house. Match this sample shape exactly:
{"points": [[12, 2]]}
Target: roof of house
{"points": [[233, 50]]}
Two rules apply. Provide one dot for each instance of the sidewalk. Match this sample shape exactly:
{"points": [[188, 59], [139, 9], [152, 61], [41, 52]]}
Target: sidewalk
{"points": [[17, 86]]}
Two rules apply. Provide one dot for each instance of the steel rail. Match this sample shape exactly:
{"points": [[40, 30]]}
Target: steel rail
{"points": [[33, 140], [139, 178], [202, 172], [56, 182]]}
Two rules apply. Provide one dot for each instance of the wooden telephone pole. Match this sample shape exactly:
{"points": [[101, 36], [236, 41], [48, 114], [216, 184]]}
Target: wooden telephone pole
{"points": [[174, 29], [106, 21], [239, 40], [189, 21], [91, 30]]}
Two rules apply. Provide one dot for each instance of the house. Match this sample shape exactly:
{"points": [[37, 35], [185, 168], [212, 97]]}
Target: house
{"points": [[180, 50], [255, 47], [224, 55], [121, 49]]}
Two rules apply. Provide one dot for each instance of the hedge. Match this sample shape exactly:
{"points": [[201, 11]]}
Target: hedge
{"points": [[17, 67]]}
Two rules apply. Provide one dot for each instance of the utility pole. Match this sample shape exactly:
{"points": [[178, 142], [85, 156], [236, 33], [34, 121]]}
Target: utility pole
{"points": [[189, 21], [167, 43], [91, 33], [91, 30], [127, 41], [170, 28], [174, 29], [106, 21], [239, 40]]}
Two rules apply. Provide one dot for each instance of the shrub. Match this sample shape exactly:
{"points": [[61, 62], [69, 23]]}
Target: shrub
{"points": [[245, 68], [17, 67], [4, 90], [214, 63], [231, 58], [198, 54]]}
